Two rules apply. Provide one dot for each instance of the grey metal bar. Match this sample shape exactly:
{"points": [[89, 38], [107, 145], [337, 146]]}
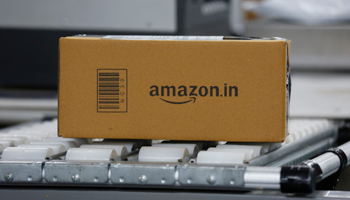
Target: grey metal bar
{"points": [[308, 152], [56, 156], [330, 163], [292, 147]]}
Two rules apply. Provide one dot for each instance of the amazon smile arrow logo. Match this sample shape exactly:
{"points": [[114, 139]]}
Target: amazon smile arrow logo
{"points": [[180, 102]]}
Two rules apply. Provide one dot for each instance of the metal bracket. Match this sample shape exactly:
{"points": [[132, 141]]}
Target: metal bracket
{"points": [[20, 171], [76, 172], [142, 173], [210, 175]]}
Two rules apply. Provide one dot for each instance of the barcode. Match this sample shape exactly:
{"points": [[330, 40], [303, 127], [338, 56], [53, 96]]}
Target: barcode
{"points": [[111, 90], [108, 90]]}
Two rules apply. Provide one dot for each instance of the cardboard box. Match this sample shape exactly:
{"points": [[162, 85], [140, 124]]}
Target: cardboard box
{"points": [[174, 88]]}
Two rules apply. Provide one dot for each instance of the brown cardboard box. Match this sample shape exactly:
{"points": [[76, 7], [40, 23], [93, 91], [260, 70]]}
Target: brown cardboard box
{"points": [[174, 88]]}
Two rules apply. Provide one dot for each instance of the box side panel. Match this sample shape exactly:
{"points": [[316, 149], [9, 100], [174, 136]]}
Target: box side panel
{"points": [[233, 91]]}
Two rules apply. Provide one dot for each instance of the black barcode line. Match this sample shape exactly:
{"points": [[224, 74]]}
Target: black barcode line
{"points": [[108, 79], [109, 102], [111, 94], [108, 74], [108, 90], [108, 83], [108, 99]]}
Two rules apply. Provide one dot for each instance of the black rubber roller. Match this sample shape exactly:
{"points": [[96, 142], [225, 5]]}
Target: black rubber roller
{"points": [[297, 179]]}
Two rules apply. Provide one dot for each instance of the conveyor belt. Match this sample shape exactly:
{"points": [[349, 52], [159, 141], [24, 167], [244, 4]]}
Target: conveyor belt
{"points": [[33, 154]]}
